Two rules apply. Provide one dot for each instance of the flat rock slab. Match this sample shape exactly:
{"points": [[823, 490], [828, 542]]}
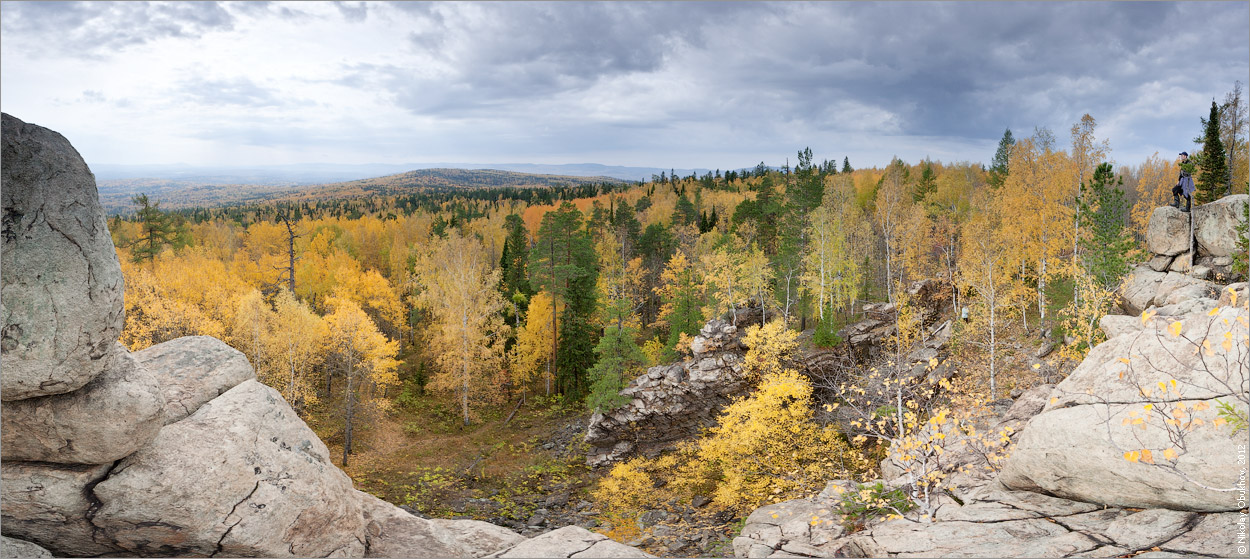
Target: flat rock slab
{"points": [[242, 476], [393, 532], [104, 421], [193, 370], [1014, 538], [571, 542], [61, 293]]}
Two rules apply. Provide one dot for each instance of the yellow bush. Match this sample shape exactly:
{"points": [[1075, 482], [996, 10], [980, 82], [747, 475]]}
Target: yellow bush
{"points": [[767, 448], [628, 487], [771, 347]]}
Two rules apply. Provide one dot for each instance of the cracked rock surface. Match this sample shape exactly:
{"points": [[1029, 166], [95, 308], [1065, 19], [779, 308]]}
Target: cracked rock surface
{"points": [[51, 504], [109, 418], [194, 370], [1075, 447], [62, 290], [572, 542], [242, 476]]}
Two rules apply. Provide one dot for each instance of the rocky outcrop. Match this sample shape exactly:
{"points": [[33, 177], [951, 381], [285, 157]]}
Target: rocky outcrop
{"points": [[1144, 288], [194, 370], [1214, 237], [866, 337], [671, 402], [109, 418], [573, 542], [62, 290], [1076, 447], [241, 476], [1067, 489], [173, 450]]}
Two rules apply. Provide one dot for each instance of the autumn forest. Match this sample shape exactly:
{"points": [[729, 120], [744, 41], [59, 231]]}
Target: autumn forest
{"points": [[362, 306]]}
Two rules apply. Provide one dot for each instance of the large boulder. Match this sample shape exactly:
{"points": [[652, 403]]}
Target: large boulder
{"points": [[62, 285], [50, 504], [393, 532], [21, 549], [106, 420], [1215, 225], [1167, 233], [194, 370], [1140, 392], [570, 541], [242, 476]]}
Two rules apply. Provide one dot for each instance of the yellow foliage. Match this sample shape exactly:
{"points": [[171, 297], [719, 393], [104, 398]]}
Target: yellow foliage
{"points": [[533, 354], [767, 447], [771, 347]]}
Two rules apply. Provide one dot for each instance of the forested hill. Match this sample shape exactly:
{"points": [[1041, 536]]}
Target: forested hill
{"points": [[437, 180], [115, 195]]}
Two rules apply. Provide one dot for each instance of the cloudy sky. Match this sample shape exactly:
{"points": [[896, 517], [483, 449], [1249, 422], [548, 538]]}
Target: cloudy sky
{"points": [[700, 84]]}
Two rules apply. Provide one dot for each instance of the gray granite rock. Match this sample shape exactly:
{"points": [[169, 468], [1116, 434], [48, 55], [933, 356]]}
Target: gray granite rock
{"points": [[106, 420], [62, 284]]}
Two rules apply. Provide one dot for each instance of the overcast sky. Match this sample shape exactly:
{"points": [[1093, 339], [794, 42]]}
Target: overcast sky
{"points": [[700, 84]]}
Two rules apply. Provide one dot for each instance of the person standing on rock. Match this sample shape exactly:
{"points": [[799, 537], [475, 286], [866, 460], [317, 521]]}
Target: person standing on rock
{"points": [[1184, 184]]}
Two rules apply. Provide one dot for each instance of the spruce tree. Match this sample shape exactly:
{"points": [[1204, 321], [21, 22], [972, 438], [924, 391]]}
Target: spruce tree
{"points": [[1213, 162], [514, 283], [998, 170], [846, 165]]}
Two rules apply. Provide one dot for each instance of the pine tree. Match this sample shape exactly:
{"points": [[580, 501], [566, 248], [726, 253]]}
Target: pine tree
{"points": [[1104, 212], [157, 229], [563, 264], [846, 165], [1213, 162]]}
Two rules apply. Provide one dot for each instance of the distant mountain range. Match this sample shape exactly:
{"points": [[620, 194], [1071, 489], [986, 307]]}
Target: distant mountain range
{"points": [[321, 173], [189, 190]]}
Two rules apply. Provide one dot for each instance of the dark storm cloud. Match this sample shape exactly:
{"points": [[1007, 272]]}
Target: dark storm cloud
{"points": [[513, 51], [966, 69], [92, 29]]}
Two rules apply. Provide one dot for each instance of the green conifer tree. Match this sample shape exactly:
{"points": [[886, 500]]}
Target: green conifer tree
{"points": [[998, 169], [1104, 213], [157, 229], [1212, 175]]}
